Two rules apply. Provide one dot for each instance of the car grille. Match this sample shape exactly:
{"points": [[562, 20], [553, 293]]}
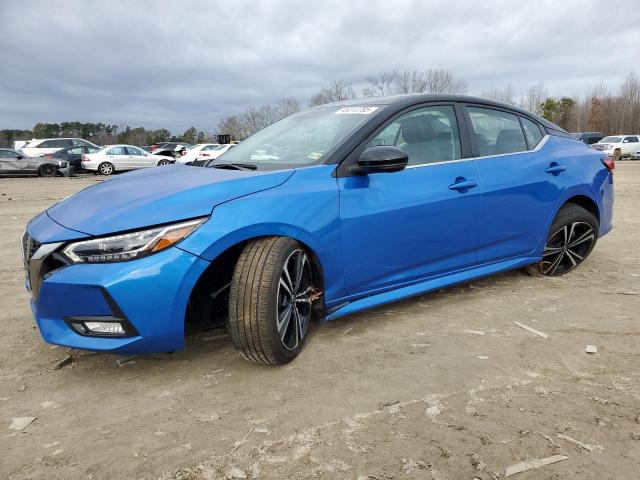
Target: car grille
{"points": [[29, 247]]}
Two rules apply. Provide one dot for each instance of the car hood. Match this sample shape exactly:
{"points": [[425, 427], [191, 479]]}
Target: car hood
{"points": [[159, 195]]}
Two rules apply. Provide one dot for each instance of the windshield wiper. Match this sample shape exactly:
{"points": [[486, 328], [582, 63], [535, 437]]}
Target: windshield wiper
{"points": [[235, 166]]}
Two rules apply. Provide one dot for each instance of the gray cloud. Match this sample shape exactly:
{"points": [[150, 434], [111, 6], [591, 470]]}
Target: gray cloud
{"points": [[177, 64]]}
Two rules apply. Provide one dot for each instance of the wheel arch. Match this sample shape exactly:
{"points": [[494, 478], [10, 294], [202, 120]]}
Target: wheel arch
{"points": [[219, 273], [585, 202]]}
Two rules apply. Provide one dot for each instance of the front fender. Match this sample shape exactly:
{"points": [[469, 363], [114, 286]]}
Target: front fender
{"points": [[304, 208]]}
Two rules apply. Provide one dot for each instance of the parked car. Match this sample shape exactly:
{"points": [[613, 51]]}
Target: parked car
{"points": [[618, 146], [13, 162], [174, 150], [38, 148], [214, 151], [589, 137], [191, 154], [361, 203], [73, 155], [119, 158]]}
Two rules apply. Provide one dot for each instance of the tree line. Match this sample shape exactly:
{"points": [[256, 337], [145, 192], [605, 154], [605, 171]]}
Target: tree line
{"points": [[103, 134], [600, 109]]}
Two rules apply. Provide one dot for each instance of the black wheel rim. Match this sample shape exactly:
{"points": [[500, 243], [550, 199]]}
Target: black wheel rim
{"points": [[567, 248], [48, 170], [293, 310]]}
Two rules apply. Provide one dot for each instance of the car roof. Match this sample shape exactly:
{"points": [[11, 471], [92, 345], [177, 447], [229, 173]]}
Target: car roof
{"points": [[409, 99]]}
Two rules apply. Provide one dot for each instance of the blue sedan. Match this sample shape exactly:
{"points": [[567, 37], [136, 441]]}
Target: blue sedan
{"points": [[333, 210]]}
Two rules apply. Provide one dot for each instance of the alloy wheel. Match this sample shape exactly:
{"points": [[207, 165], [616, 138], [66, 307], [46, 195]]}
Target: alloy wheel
{"points": [[106, 169], [47, 170], [567, 248], [162, 163], [293, 307]]}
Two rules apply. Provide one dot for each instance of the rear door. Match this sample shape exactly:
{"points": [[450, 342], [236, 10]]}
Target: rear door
{"points": [[403, 227], [119, 157], [630, 145], [137, 158], [521, 181]]}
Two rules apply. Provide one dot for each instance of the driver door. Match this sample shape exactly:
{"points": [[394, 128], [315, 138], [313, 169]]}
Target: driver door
{"points": [[12, 163], [404, 227]]}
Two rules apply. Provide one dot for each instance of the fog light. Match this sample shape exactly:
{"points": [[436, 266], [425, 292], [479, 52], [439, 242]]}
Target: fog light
{"points": [[106, 328]]}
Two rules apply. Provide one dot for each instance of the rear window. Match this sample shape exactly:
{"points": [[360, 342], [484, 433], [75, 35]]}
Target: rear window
{"points": [[496, 132]]}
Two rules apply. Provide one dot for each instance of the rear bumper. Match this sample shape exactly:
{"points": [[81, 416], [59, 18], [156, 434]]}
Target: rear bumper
{"points": [[150, 293]]}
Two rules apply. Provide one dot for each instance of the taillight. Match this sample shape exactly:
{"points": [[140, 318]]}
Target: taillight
{"points": [[84, 158], [204, 154], [48, 155], [183, 153], [609, 163]]}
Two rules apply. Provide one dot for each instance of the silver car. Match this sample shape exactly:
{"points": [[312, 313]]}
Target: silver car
{"points": [[13, 162]]}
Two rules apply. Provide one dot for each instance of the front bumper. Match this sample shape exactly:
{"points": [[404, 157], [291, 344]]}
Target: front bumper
{"points": [[150, 294]]}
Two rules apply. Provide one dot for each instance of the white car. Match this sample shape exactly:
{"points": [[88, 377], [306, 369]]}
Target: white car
{"points": [[214, 152], [118, 158], [192, 153], [618, 146], [44, 146]]}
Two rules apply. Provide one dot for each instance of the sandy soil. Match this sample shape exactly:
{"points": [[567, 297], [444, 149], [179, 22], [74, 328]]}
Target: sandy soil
{"points": [[442, 386]]}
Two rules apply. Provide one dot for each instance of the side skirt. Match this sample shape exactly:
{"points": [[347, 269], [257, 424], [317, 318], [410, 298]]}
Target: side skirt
{"points": [[429, 285]]}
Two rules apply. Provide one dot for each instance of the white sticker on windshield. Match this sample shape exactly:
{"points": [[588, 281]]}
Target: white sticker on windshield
{"points": [[359, 110]]}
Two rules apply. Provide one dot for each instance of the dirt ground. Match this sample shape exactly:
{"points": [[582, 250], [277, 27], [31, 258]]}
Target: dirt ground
{"points": [[442, 386]]}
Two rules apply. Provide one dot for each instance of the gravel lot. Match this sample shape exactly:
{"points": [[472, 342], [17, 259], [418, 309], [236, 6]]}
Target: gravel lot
{"points": [[442, 386]]}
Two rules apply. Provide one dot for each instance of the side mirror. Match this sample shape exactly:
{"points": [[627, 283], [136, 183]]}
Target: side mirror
{"points": [[380, 160]]}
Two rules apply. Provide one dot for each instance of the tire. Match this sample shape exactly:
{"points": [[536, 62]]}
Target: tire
{"points": [[106, 168], [617, 155], [162, 163], [47, 170], [571, 239], [260, 300]]}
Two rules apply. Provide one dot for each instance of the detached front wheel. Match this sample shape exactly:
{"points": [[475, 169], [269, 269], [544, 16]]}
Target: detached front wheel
{"points": [[571, 239], [271, 300]]}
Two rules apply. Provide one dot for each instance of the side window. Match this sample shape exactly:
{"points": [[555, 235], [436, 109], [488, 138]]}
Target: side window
{"points": [[60, 143], [7, 154], [45, 144], [75, 151], [134, 151], [496, 132], [117, 151], [531, 132], [79, 143], [427, 135], [630, 140], [90, 149]]}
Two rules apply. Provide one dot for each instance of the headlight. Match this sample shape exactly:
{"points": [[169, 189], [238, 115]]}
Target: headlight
{"points": [[119, 248]]}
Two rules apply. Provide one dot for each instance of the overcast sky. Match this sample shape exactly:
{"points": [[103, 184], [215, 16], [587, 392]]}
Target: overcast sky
{"points": [[176, 64]]}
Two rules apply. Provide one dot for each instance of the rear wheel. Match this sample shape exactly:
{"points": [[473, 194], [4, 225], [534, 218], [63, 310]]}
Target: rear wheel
{"points": [[571, 239], [47, 170], [617, 155], [106, 168], [271, 300], [162, 163]]}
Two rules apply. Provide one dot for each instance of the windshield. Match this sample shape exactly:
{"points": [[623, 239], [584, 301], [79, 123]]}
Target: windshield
{"points": [[305, 138], [611, 140]]}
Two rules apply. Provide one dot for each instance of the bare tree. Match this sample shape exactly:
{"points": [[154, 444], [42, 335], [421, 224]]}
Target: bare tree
{"points": [[534, 96], [338, 90], [505, 95], [380, 85], [443, 81]]}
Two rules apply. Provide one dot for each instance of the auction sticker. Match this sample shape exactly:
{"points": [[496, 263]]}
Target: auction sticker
{"points": [[359, 110]]}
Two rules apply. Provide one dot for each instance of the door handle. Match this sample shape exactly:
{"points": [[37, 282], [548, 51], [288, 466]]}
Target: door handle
{"points": [[555, 169], [463, 184]]}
